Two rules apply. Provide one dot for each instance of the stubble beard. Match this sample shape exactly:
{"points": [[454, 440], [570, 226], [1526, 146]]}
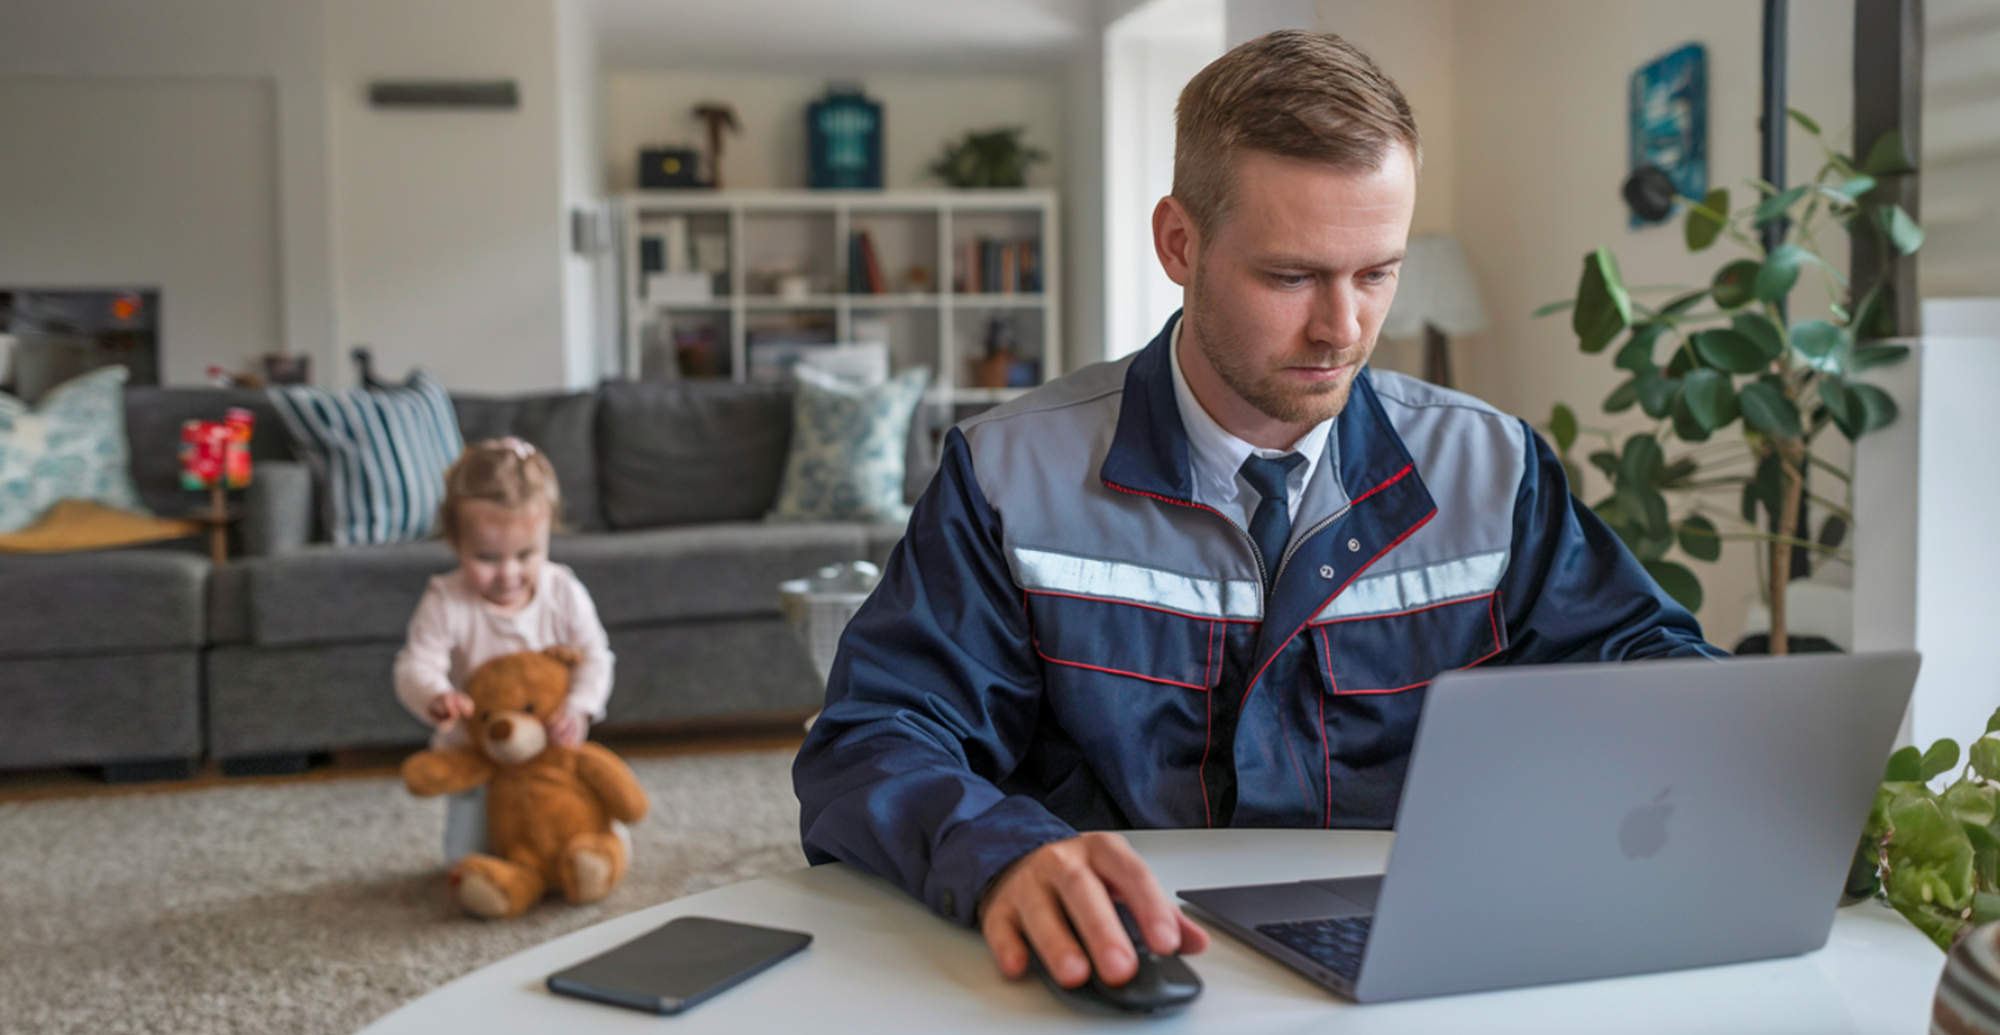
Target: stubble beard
{"points": [[1269, 391]]}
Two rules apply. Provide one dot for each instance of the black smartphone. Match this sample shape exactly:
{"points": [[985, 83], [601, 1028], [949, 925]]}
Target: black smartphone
{"points": [[678, 964]]}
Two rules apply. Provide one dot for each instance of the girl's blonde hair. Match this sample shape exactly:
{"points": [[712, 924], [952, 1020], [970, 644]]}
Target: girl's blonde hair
{"points": [[506, 471]]}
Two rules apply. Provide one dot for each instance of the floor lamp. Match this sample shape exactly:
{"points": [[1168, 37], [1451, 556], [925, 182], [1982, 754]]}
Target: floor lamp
{"points": [[1435, 297]]}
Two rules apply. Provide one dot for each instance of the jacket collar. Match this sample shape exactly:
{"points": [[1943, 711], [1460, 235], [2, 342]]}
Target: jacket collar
{"points": [[1149, 449]]}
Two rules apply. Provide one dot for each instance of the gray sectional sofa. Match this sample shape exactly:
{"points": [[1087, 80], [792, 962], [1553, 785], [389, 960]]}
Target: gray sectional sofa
{"points": [[144, 660]]}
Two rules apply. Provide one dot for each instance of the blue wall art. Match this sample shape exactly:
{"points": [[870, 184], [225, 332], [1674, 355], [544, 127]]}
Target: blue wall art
{"points": [[1669, 120]]}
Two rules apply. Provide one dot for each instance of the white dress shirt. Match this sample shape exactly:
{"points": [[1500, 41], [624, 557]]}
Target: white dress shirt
{"points": [[1217, 456]]}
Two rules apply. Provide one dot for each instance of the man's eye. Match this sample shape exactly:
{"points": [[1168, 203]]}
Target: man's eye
{"points": [[1290, 280], [1377, 277]]}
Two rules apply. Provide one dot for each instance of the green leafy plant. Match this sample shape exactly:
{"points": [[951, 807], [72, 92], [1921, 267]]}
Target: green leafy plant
{"points": [[988, 158], [1722, 356], [1935, 854]]}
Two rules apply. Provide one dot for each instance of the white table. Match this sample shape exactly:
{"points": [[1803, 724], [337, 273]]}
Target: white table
{"points": [[880, 963]]}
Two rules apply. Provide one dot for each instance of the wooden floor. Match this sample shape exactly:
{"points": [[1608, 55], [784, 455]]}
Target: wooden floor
{"points": [[682, 738]]}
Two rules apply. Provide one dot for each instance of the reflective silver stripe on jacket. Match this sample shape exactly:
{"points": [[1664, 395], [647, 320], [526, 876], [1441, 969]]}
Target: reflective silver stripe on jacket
{"points": [[1414, 588], [1115, 580]]}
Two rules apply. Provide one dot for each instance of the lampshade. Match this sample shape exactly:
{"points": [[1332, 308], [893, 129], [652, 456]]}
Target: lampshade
{"points": [[1435, 287]]}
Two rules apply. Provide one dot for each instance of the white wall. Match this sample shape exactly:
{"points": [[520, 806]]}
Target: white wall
{"points": [[434, 236], [922, 111], [450, 228], [1084, 271], [1149, 55], [1961, 150], [140, 182], [280, 42], [1927, 559], [1411, 42], [1539, 151], [589, 287]]}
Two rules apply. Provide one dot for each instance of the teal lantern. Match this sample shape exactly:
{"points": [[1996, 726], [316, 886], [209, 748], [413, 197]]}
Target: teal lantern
{"points": [[844, 130]]}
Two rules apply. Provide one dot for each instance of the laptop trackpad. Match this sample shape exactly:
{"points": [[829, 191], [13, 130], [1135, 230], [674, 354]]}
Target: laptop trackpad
{"points": [[1362, 891]]}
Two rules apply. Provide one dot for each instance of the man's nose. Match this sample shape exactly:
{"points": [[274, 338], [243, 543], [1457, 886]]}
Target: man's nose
{"points": [[1336, 316]]}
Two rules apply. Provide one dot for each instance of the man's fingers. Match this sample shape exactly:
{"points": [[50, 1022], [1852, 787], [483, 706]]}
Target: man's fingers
{"points": [[1113, 858], [1049, 932], [1088, 903], [1194, 938], [1003, 936]]}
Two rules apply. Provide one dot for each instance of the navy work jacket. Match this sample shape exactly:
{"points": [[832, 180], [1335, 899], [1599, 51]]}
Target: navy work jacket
{"points": [[1065, 640]]}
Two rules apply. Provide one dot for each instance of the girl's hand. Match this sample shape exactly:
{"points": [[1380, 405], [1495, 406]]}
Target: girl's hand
{"points": [[568, 728], [449, 707]]}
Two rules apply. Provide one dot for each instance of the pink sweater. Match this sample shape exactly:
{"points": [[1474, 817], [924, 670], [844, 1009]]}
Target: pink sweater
{"points": [[455, 631]]}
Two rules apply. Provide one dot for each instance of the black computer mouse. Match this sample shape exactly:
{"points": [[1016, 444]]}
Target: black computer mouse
{"points": [[1162, 985]]}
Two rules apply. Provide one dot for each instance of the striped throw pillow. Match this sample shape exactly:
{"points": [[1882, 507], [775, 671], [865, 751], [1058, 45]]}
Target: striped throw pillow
{"points": [[379, 455]]}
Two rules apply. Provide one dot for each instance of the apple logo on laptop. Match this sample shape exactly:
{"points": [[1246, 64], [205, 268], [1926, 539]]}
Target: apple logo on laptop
{"points": [[1644, 831]]}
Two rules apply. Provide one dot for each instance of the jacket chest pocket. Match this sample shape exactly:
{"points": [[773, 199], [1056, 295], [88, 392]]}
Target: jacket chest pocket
{"points": [[1119, 639], [1391, 653]]}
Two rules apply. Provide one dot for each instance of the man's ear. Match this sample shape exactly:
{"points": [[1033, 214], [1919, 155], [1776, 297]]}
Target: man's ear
{"points": [[1175, 240]]}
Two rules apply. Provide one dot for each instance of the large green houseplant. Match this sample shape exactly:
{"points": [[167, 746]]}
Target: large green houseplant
{"points": [[1726, 356]]}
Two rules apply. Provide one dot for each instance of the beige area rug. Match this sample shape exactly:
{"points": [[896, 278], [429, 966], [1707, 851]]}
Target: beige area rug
{"points": [[317, 906]]}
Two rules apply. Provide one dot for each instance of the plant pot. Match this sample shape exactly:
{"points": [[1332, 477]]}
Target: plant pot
{"points": [[1968, 994]]}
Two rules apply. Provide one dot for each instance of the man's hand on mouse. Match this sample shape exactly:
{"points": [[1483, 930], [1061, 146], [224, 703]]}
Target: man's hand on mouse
{"points": [[1079, 878]]}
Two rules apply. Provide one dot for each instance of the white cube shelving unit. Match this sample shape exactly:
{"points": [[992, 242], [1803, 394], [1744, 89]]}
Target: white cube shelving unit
{"points": [[919, 238]]}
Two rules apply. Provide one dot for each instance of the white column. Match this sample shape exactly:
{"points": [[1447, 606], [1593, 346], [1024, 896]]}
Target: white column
{"points": [[1927, 560]]}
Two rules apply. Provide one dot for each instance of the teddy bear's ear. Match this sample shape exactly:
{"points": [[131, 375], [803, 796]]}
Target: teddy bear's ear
{"points": [[567, 655]]}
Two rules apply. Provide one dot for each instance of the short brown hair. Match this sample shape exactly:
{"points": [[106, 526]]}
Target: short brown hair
{"points": [[506, 471], [1292, 93]]}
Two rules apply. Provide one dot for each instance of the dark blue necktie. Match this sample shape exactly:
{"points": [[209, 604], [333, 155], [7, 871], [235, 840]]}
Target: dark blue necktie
{"points": [[1271, 525]]}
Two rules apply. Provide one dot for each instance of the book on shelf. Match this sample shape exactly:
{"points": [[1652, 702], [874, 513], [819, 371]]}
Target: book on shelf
{"points": [[864, 266], [876, 284], [991, 266]]}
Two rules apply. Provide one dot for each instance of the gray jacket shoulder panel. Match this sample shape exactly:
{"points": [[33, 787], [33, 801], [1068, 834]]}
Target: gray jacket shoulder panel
{"points": [[1037, 460], [1470, 456], [1083, 387]]}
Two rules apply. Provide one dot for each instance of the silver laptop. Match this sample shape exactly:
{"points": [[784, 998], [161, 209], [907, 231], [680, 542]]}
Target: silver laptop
{"points": [[1565, 822]]}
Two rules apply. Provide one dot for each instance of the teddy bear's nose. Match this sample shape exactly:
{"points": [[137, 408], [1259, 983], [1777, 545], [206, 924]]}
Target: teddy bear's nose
{"points": [[501, 730]]}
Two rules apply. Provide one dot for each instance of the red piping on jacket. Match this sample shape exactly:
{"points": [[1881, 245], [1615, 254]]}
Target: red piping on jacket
{"points": [[1116, 672], [1282, 644], [1208, 741], [1493, 620]]}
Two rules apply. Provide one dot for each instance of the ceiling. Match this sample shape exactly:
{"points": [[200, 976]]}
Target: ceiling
{"points": [[855, 35]]}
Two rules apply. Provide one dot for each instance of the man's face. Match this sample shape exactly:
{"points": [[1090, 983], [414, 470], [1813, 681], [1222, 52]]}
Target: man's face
{"points": [[1287, 292]]}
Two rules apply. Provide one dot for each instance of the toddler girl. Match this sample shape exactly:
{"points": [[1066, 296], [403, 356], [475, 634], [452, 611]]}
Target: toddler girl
{"points": [[500, 501]]}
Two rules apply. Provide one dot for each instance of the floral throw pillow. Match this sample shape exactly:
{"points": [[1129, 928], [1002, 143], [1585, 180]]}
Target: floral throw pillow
{"points": [[71, 446], [848, 443]]}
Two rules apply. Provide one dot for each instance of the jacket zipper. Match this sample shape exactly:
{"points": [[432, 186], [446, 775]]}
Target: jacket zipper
{"points": [[1299, 541]]}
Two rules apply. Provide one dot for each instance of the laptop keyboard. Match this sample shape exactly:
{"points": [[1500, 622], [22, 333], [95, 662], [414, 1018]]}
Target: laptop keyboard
{"points": [[1334, 944]]}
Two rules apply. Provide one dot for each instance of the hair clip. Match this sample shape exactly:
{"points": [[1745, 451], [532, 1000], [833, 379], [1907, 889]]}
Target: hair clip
{"points": [[519, 447]]}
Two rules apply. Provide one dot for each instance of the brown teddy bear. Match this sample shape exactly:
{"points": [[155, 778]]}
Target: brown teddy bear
{"points": [[548, 808]]}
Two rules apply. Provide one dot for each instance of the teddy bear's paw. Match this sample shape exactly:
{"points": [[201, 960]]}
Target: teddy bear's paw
{"points": [[482, 897], [594, 873]]}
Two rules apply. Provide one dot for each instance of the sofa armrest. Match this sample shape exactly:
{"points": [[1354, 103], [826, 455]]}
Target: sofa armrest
{"points": [[278, 509]]}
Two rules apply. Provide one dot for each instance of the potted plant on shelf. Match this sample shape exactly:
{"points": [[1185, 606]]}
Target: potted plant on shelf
{"points": [[1726, 355], [988, 158]]}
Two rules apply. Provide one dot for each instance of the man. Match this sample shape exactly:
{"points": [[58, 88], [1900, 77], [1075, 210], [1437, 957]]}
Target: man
{"points": [[1206, 586]]}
